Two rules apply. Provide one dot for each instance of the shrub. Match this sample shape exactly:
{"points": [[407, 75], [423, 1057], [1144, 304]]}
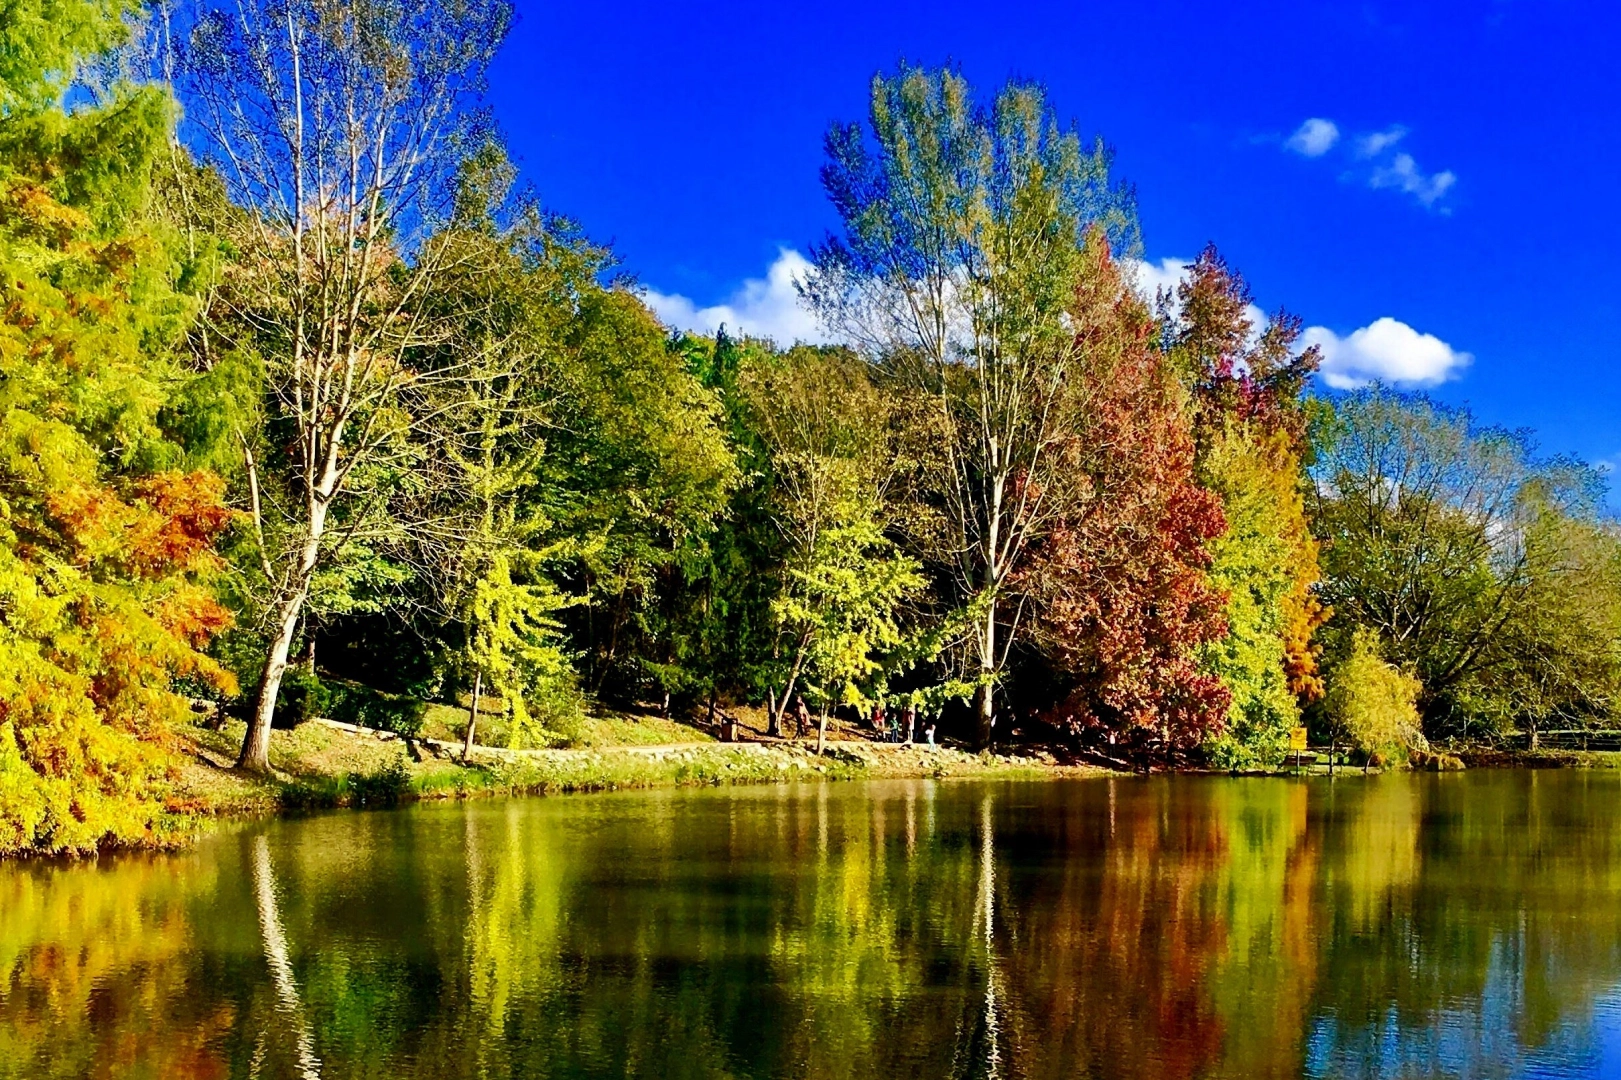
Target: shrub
{"points": [[303, 697], [353, 703], [1372, 704]]}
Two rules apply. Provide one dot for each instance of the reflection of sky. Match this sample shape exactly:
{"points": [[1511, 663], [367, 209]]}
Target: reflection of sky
{"points": [[1472, 1039]]}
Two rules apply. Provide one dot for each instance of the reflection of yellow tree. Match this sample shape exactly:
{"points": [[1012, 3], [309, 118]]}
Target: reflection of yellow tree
{"points": [[93, 973], [1375, 855], [1264, 977], [514, 900], [862, 916]]}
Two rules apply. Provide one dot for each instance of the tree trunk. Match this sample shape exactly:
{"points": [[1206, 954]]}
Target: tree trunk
{"points": [[472, 713], [985, 695], [773, 723], [821, 731], [788, 688], [255, 756]]}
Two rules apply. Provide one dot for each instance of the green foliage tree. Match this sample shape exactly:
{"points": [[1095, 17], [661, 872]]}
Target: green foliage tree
{"points": [[711, 621], [638, 474], [1560, 656], [956, 271], [827, 427], [487, 547], [1443, 537]]}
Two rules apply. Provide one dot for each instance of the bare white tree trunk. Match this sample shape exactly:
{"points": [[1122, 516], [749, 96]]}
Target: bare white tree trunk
{"points": [[255, 755], [472, 713]]}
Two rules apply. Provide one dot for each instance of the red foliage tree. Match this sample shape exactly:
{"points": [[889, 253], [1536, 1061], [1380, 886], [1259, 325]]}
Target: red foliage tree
{"points": [[1120, 599]]}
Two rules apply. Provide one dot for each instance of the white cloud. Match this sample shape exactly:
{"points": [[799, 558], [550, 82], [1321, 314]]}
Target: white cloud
{"points": [[1149, 278], [761, 307], [1314, 138], [1404, 174], [1368, 146], [1385, 350], [1386, 168]]}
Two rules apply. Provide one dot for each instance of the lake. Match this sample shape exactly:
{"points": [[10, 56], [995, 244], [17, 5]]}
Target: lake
{"points": [[1391, 926]]}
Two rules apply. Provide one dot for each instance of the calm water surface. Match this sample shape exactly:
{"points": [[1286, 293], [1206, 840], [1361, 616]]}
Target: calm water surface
{"points": [[1401, 926]]}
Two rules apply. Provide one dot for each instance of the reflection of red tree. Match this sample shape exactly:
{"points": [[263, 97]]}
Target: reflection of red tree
{"points": [[1110, 973]]}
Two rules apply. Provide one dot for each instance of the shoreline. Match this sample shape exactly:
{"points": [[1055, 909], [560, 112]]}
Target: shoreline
{"points": [[323, 763]]}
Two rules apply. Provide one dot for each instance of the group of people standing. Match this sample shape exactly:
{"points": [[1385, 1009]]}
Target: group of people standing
{"points": [[890, 728], [902, 728]]}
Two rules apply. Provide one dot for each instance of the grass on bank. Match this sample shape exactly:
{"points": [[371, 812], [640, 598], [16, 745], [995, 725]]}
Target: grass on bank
{"points": [[321, 765]]}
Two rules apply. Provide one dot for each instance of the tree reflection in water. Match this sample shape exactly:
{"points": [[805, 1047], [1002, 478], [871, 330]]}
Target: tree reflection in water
{"points": [[281, 970], [1192, 927]]}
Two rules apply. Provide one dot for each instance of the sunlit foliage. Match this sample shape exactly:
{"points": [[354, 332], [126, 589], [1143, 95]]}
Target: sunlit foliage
{"points": [[105, 534]]}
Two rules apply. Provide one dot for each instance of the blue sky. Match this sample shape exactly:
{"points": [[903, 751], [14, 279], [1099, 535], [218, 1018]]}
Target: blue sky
{"points": [[1432, 187]]}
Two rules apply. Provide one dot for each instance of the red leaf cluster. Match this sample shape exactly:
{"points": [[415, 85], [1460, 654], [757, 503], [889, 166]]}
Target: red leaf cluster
{"points": [[1121, 600]]}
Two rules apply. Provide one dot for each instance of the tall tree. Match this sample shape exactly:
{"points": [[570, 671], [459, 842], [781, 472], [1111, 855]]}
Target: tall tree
{"points": [[106, 532], [1432, 538], [1120, 599], [1246, 382], [1560, 658], [486, 546], [338, 128], [638, 473], [956, 270], [828, 430], [728, 635]]}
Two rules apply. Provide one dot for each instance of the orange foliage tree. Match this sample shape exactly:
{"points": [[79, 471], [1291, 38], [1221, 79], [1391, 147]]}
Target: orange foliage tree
{"points": [[1249, 424]]}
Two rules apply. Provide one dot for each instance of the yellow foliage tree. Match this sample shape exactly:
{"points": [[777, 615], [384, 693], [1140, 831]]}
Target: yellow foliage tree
{"points": [[105, 542], [1372, 703]]}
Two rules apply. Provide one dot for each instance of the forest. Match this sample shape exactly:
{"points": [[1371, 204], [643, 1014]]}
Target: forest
{"points": [[312, 407]]}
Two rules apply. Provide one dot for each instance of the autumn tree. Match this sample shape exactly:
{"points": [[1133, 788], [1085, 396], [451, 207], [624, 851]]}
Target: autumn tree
{"points": [[1120, 599], [1246, 382], [483, 542], [828, 431], [106, 529], [338, 130], [955, 270], [1372, 704]]}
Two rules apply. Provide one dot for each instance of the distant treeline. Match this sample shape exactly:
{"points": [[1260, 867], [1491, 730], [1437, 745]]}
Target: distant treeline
{"points": [[306, 383]]}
